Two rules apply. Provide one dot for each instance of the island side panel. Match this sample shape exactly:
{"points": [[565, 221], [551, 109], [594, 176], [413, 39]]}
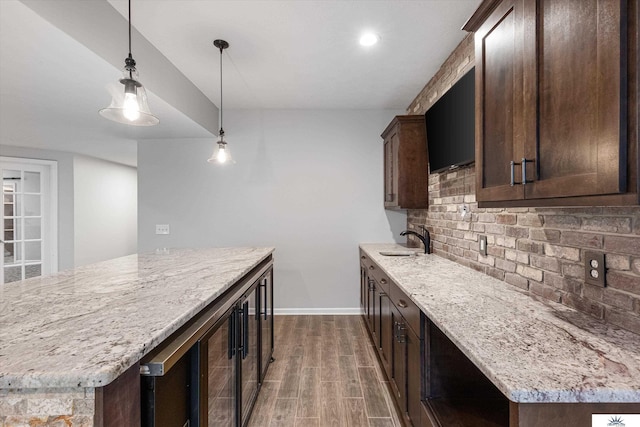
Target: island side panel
{"points": [[46, 407], [118, 403], [564, 414]]}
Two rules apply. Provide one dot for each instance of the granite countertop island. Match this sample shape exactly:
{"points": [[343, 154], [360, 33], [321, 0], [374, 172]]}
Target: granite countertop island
{"points": [[80, 329], [533, 350]]}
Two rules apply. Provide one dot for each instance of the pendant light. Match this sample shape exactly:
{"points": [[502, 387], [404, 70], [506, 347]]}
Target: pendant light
{"points": [[130, 106], [221, 154]]}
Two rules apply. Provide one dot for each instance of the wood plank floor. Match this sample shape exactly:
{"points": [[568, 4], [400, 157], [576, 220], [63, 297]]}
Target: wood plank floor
{"points": [[325, 374]]}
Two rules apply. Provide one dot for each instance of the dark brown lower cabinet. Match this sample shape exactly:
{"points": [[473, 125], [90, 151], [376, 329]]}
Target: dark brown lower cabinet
{"points": [[398, 345], [414, 370], [434, 384], [399, 359], [406, 368], [373, 310], [456, 392], [386, 333], [210, 371]]}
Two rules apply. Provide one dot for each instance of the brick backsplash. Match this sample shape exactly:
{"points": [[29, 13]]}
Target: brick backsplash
{"points": [[539, 250]]}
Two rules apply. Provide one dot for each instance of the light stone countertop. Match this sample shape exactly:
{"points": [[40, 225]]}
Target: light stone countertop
{"points": [[84, 327], [533, 350]]}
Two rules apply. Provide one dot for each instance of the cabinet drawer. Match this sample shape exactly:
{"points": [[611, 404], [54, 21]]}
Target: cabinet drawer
{"points": [[368, 265], [375, 272], [406, 307], [381, 279], [365, 261]]}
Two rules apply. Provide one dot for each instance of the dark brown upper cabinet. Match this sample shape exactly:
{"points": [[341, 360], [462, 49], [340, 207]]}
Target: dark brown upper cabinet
{"points": [[556, 102], [406, 164]]}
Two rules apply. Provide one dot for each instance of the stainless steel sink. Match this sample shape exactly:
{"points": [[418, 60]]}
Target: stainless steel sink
{"points": [[397, 253]]}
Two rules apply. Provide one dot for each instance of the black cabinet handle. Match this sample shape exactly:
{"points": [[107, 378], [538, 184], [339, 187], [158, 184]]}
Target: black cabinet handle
{"points": [[266, 301], [264, 304], [231, 341], [245, 329]]}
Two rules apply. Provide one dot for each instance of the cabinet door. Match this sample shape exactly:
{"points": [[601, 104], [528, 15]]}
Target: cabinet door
{"points": [[414, 376], [218, 395], [248, 351], [391, 169], [386, 333], [580, 80], [266, 322], [363, 290], [371, 307], [377, 312], [399, 359], [500, 104]]}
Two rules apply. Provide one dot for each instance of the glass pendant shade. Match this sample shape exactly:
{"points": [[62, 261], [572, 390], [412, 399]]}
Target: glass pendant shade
{"points": [[221, 154], [129, 103]]}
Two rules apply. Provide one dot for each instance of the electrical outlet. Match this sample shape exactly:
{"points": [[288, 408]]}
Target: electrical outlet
{"points": [[594, 268], [464, 211], [162, 229], [482, 247]]}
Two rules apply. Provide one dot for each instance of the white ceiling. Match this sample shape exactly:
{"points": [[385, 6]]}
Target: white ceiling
{"points": [[287, 54], [305, 54], [49, 98]]}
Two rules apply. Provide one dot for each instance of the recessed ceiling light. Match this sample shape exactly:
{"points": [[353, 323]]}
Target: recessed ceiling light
{"points": [[369, 39]]}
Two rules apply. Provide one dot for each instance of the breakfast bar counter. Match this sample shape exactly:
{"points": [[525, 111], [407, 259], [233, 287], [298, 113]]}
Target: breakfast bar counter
{"points": [[64, 336]]}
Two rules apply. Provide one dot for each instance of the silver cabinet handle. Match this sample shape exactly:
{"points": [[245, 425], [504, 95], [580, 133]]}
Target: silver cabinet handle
{"points": [[513, 173], [383, 281]]}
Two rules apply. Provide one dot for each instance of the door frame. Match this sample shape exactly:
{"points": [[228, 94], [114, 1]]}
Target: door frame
{"points": [[50, 245]]}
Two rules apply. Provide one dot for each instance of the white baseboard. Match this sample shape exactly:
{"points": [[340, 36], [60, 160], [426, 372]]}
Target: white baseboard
{"points": [[316, 311]]}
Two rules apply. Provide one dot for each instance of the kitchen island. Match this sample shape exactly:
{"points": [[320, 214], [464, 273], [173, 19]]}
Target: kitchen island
{"points": [[67, 337], [549, 364]]}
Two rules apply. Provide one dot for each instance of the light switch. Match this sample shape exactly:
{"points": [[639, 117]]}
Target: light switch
{"points": [[482, 245], [162, 229]]}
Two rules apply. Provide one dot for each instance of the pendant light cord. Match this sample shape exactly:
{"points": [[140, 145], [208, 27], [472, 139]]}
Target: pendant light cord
{"points": [[221, 109], [129, 28]]}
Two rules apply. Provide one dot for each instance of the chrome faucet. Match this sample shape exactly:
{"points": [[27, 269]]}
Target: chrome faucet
{"points": [[426, 238]]}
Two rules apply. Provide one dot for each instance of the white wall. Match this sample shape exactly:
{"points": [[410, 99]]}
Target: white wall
{"points": [[105, 210], [65, 196], [307, 182]]}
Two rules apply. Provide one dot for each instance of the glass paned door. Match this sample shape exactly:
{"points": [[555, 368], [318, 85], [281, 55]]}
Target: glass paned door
{"points": [[249, 352], [218, 374], [29, 240], [266, 322]]}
